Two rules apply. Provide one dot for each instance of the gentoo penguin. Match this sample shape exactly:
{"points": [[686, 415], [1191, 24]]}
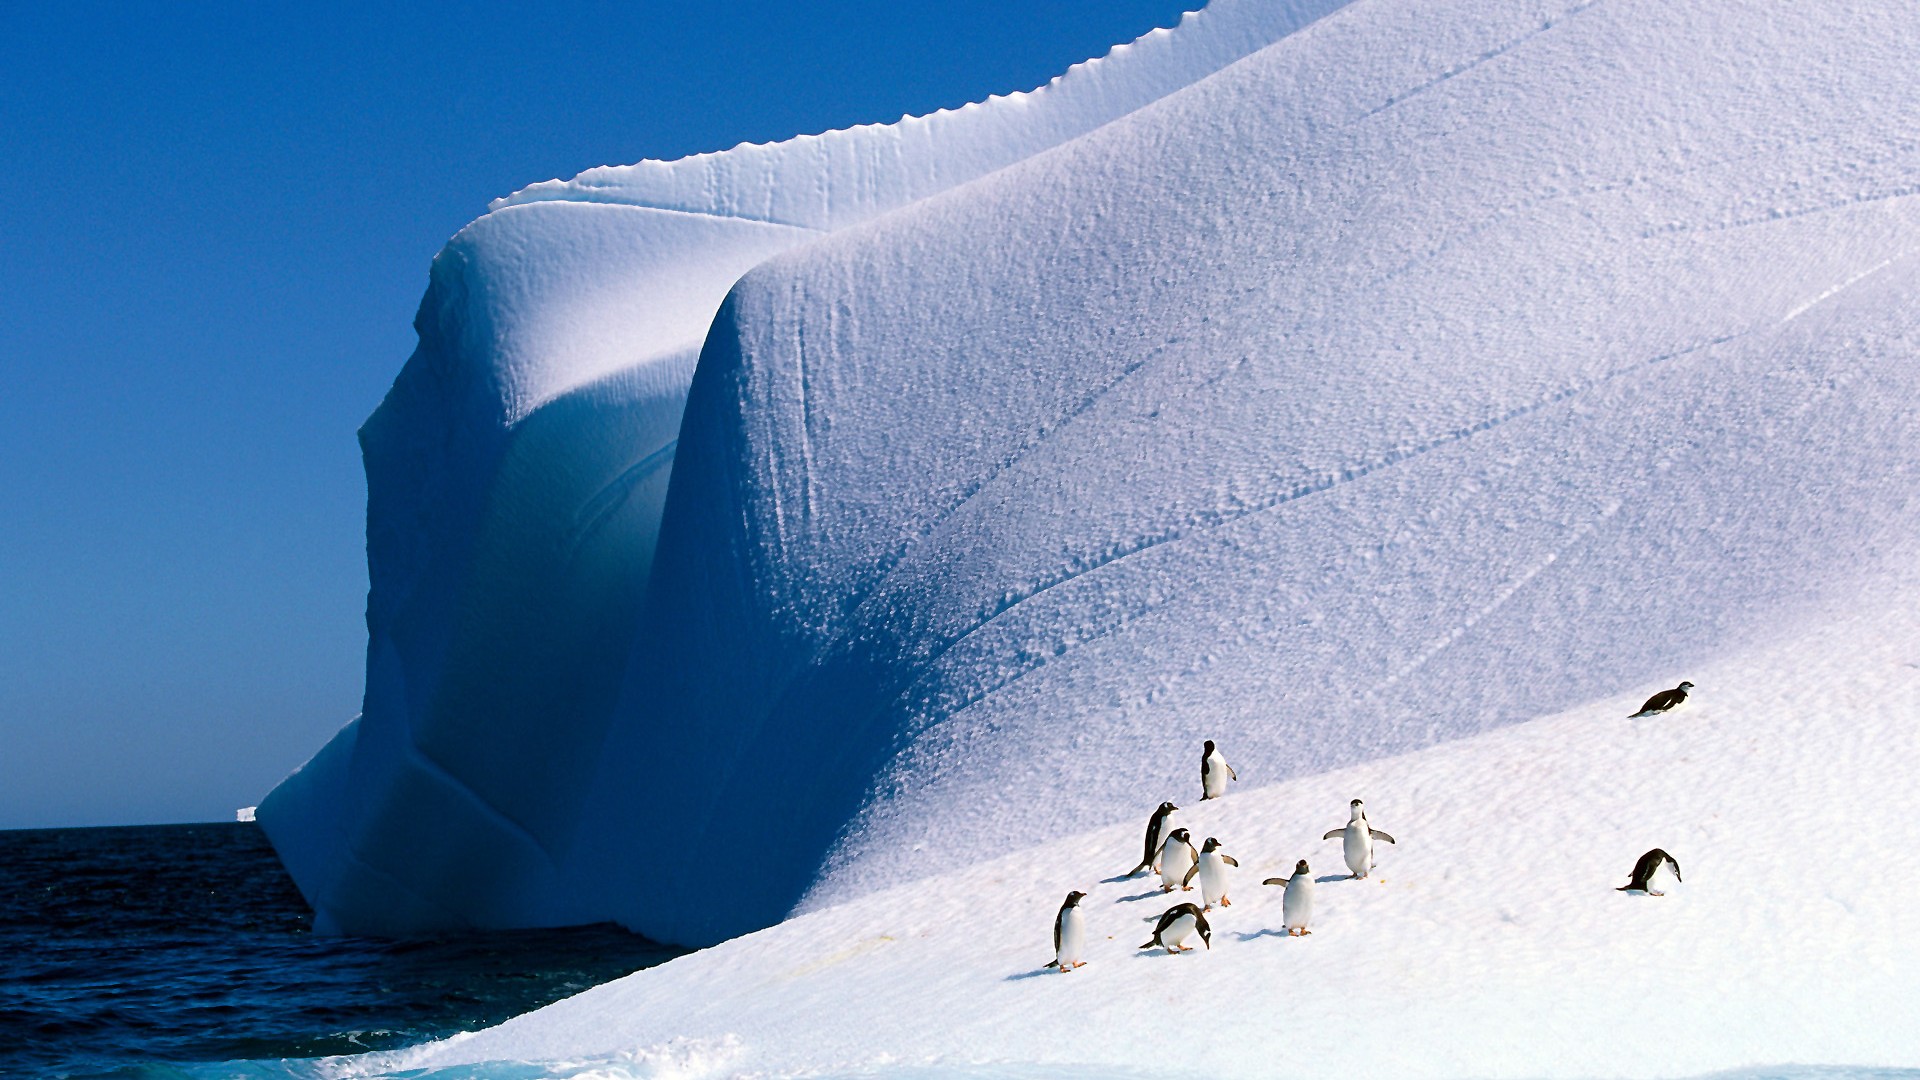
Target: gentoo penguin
{"points": [[1156, 827], [1649, 865], [1176, 925], [1359, 837], [1177, 861], [1296, 907], [1214, 773], [1664, 700], [1069, 933], [1212, 869]]}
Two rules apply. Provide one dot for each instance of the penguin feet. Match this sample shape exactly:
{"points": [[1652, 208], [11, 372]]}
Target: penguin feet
{"points": [[1166, 888], [1186, 888], [1224, 902]]}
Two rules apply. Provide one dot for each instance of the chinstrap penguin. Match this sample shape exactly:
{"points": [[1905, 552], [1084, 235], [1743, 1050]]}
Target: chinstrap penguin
{"points": [[1212, 869], [1156, 830], [1178, 861], [1296, 907], [1069, 933], [1663, 701], [1358, 836], [1176, 925], [1214, 773], [1645, 870]]}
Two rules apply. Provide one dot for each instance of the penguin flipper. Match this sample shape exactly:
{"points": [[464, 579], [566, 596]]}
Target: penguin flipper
{"points": [[1378, 835], [1231, 861], [1191, 870], [1275, 881], [1231, 775], [1331, 833]]}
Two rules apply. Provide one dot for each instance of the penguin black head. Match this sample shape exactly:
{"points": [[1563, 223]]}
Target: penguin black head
{"points": [[1167, 808], [1685, 685], [1206, 932], [1074, 898], [1211, 844], [1355, 802], [1301, 867], [1181, 835], [1209, 747]]}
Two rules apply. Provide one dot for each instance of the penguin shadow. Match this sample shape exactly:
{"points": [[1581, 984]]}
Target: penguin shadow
{"points": [[1324, 879], [1118, 880], [1020, 976], [1258, 934], [1148, 895]]}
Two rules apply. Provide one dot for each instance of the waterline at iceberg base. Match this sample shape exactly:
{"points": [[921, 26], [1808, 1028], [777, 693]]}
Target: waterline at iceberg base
{"points": [[1395, 394]]}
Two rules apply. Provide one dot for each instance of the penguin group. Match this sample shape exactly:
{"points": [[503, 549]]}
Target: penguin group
{"points": [[1169, 852]]}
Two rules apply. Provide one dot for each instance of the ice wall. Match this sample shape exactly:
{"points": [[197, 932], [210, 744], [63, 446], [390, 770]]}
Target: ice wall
{"points": [[1439, 366], [516, 474]]}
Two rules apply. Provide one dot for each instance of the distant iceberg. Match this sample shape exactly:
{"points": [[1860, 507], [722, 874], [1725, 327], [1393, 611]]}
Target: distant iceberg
{"points": [[754, 533], [245, 813]]}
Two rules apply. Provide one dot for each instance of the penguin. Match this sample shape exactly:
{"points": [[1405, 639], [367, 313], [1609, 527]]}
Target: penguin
{"points": [[1663, 701], [1359, 837], [1214, 773], [1644, 870], [1177, 861], [1176, 925], [1156, 827], [1069, 933], [1212, 869], [1296, 907]]}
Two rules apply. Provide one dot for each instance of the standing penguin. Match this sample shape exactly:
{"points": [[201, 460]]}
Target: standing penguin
{"points": [[1214, 773], [1359, 837], [1664, 700], [1156, 830], [1176, 925], [1296, 907], [1177, 861], [1646, 868], [1069, 933], [1212, 869]]}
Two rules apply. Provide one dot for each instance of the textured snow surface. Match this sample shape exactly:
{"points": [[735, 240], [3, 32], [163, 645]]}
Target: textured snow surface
{"points": [[516, 474], [1489, 942], [1435, 368]]}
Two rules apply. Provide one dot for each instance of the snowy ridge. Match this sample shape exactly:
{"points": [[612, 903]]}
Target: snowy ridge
{"points": [[517, 470], [840, 178]]}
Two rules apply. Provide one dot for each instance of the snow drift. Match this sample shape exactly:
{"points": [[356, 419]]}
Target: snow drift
{"points": [[1433, 368]]}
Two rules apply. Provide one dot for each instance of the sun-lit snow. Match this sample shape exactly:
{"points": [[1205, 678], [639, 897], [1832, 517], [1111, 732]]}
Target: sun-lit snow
{"points": [[1400, 406], [1489, 942]]}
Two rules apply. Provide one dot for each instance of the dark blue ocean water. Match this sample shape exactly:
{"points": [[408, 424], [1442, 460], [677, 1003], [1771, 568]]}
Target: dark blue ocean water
{"points": [[125, 948]]}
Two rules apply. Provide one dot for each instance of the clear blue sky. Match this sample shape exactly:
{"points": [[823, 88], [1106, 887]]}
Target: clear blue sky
{"points": [[218, 226]]}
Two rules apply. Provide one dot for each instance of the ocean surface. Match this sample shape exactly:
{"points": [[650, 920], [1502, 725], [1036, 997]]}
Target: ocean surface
{"points": [[132, 952]]}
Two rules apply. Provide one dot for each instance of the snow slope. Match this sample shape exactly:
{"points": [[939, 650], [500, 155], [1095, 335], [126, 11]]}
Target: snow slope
{"points": [[1490, 942], [517, 469], [1435, 368]]}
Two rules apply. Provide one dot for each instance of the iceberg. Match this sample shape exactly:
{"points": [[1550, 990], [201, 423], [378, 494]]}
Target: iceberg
{"points": [[1398, 403], [517, 470]]}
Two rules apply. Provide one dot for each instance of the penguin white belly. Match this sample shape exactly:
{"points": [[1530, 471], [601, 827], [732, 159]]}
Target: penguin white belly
{"points": [[1661, 880], [1216, 779], [1358, 845], [1213, 878], [1296, 908], [1073, 937], [1175, 860], [1179, 931]]}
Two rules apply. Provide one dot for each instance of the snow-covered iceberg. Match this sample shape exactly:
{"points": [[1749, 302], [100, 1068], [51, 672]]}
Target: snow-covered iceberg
{"points": [[1431, 368], [516, 473]]}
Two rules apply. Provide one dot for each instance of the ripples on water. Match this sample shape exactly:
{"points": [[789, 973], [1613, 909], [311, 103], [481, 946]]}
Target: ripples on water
{"points": [[125, 948]]}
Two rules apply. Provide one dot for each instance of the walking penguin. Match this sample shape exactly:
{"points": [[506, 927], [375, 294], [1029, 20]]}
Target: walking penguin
{"points": [[1156, 827], [1178, 861], [1647, 868], [1296, 907], [1212, 869], [1214, 773], [1663, 701], [1176, 925], [1069, 933], [1359, 836]]}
